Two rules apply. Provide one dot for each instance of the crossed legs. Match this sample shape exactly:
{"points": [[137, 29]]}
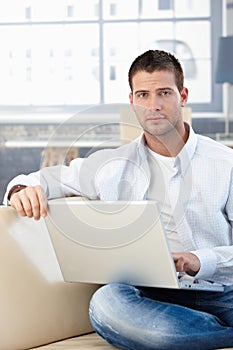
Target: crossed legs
{"points": [[136, 319]]}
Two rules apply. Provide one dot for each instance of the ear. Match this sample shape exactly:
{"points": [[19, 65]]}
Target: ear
{"points": [[184, 96], [131, 98]]}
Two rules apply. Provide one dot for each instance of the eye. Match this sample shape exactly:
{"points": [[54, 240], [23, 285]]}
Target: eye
{"points": [[142, 94], [165, 93]]}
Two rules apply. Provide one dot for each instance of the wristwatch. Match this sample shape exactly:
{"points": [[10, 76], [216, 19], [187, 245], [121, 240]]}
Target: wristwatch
{"points": [[15, 189]]}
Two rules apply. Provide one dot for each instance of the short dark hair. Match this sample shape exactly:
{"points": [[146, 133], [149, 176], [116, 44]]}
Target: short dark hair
{"points": [[157, 60]]}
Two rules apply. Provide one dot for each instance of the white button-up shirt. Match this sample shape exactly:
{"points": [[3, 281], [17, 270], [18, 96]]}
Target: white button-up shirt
{"points": [[200, 193]]}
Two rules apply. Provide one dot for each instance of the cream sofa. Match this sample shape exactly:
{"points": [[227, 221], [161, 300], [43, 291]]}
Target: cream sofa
{"points": [[37, 307], [39, 310]]}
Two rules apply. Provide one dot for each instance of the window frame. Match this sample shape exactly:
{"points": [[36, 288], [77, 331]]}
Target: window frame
{"points": [[214, 107]]}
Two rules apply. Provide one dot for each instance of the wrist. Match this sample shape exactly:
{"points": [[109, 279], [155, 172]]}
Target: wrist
{"points": [[15, 189]]}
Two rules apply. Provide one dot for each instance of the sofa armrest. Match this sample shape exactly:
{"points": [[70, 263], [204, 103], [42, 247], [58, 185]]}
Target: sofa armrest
{"points": [[37, 307]]}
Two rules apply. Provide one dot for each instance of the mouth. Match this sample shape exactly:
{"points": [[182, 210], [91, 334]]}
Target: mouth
{"points": [[155, 118]]}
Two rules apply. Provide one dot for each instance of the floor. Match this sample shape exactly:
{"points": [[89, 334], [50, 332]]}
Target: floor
{"points": [[85, 342]]}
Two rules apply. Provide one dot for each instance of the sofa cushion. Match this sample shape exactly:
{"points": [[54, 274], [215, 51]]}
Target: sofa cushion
{"points": [[87, 342], [84, 342]]}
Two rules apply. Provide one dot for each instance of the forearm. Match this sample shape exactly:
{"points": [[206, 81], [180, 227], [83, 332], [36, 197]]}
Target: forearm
{"points": [[58, 181], [224, 266], [51, 180], [30, 197]]}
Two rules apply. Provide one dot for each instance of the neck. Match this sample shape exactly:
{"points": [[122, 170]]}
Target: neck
{"points": [[170, 144]]}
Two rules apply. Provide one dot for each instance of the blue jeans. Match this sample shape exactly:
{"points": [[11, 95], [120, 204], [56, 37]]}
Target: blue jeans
{"points": [[153, 318]]}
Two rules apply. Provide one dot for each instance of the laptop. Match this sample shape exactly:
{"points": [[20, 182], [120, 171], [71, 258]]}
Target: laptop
{"points": [[105, 242]]}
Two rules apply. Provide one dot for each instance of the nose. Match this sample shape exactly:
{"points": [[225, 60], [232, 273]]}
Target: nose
{"points": [[155, 103]]}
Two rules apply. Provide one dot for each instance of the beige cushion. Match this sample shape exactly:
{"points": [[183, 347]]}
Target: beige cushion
{"points": [[87, 342], [37, 307]]}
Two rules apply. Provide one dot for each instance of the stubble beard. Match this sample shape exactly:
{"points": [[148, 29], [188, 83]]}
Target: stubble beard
{"points": [[163, 129]]}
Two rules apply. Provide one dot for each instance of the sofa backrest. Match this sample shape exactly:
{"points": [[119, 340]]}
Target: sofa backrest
{"points": [[37, 307]]}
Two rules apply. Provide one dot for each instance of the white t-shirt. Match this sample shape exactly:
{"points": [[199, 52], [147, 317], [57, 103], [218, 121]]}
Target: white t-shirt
{"points": [[163, 173]]}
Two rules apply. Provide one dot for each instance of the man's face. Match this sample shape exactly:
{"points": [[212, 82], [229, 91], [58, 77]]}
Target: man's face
{"points": [[157, 102]]}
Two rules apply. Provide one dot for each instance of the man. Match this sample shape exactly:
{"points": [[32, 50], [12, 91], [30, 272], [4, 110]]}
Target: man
{"points": [[191, 177]]}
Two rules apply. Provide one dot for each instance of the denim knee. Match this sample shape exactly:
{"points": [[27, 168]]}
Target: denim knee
{"points": [[116, 314]]}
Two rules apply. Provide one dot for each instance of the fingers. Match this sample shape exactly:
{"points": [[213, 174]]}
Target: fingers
{"points": [[43, 202], [186, 262], [30, 202], [180, 262]]}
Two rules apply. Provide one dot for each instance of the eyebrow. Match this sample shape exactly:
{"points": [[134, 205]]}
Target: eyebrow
{"points": [[159, 89], [165, 88], [136, 92]]}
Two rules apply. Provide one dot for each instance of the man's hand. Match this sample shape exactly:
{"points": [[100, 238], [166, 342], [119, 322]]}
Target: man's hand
{"points": [[186, 262], [30, 201]]}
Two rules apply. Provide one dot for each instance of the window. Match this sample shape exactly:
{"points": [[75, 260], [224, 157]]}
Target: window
{"points": [[77, 52]]}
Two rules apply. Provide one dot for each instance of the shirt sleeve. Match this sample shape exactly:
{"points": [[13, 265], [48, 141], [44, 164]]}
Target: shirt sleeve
{"points": [[217, 262], [208, 261], [59, 181]]}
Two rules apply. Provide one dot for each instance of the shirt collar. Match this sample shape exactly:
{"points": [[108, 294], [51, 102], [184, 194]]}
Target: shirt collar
{"points": [[183, 159], [186, 154]]}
